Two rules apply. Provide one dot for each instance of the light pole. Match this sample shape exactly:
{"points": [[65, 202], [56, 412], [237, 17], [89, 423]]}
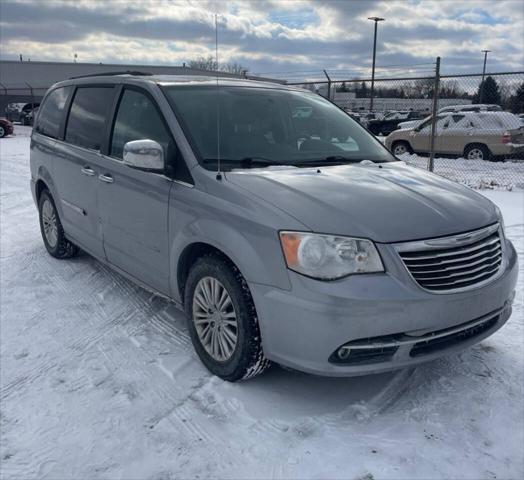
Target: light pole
{"points": [[481, 93], [376, 20]]}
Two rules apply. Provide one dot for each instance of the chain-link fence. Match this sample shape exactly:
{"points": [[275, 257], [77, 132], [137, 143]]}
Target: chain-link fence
{"points": [[469, 128]]}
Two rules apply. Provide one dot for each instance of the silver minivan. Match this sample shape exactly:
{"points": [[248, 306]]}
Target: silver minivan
{"points": [[285, 230]]}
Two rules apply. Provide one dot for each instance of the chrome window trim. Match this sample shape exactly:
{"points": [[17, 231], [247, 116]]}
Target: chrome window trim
{"points": [[450, 242]]}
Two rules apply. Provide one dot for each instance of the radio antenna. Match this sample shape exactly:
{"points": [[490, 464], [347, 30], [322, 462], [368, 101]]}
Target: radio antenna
{"points": [[219, 174]]}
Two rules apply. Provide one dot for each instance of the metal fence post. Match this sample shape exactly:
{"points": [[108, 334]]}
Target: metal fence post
{"points": [[328, 85], [434, 115]]}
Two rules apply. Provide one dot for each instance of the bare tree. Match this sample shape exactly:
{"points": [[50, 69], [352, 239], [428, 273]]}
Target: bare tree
{"points": [[209, 63], [204, 63]]}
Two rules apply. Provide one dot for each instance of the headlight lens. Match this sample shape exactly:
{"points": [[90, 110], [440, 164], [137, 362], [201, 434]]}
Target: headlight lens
{"points": [[328, 257]]}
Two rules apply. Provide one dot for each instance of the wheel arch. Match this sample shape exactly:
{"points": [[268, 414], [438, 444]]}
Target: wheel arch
{"points": [[401, 140], [40, 186], [257, 254], [476, 144], [189, 256]]}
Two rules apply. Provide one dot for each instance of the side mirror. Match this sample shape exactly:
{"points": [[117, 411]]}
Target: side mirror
{"points": [[144, 155]]}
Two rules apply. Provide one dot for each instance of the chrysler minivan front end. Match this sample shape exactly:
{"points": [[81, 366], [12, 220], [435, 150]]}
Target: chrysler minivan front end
{"points": [[424, 299]]}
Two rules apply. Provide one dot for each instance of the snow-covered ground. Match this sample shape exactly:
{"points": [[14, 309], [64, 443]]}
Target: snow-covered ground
{"points": [[99, 380], [481, 174]]}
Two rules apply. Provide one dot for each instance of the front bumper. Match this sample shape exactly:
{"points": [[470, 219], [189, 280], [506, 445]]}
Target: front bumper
{"points": [[302, 328]]}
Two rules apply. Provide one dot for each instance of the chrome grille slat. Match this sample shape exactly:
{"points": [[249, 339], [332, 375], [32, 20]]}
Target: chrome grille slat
{"points": [[458, 251], [455, 260], [497, 254], [454, 282], [454, 265]]}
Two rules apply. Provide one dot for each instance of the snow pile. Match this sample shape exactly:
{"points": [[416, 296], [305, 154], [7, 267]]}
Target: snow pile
{"points": [[99, 380], [480, 174]]}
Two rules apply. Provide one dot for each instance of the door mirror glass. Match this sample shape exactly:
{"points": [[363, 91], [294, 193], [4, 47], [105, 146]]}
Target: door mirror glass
{"points": [[144, 155]]}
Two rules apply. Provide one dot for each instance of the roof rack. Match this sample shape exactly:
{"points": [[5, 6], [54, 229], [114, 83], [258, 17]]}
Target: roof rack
{"points": [[110, 74]]}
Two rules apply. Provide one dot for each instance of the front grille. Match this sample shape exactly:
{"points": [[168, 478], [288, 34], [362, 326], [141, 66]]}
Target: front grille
{"points": [[448, 268]]}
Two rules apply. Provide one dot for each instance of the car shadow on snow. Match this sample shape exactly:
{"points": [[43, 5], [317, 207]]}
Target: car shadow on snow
{"points": [[289, 395]]}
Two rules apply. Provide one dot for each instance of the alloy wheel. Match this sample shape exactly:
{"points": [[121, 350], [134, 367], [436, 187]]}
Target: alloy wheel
{"points": [[400, 150], [49, 223], [475, 154], [215, 319]]}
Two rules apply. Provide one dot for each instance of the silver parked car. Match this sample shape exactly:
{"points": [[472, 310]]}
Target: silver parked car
{"points": [[473, 135], [284, 229]]}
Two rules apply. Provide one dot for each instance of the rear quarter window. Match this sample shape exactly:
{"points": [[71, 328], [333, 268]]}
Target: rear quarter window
{"points": [[52, 112]]}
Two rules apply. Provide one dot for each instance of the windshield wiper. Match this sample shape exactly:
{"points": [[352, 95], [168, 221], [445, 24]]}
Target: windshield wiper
{"points": [[329, 160], [246, 162]]}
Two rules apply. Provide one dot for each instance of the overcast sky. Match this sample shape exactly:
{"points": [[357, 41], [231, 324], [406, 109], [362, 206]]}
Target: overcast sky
{"points": [[280, 38]]}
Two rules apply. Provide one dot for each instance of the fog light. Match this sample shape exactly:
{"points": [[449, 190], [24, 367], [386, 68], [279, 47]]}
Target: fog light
{"points": [[343, 353]]}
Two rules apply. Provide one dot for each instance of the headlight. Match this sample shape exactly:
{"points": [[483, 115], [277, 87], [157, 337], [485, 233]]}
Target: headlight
{"points": [[328, 257]]}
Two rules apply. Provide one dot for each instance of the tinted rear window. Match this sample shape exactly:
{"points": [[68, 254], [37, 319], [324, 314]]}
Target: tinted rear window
{"points": [[87, 118], [52, 112]]}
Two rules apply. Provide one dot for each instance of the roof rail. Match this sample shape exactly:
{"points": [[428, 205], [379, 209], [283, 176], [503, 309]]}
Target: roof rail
{"points": [[110, 74]]}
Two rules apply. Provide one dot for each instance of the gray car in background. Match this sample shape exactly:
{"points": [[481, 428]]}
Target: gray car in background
{"points": [[285, 230]]}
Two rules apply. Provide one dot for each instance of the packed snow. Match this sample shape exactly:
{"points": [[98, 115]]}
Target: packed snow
{"points": [[99, 380]]}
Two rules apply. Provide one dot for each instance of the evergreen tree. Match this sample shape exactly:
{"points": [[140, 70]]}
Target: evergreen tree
{"points": [[490, 92], [516, 102]]}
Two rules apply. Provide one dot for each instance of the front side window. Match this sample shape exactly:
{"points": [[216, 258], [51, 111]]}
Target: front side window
{"points": [[87, 117], [260, 126], [138, 119], [52, 111]]}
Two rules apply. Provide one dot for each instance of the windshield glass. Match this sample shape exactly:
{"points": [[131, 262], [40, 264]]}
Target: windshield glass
{"points": [[260, 127]]}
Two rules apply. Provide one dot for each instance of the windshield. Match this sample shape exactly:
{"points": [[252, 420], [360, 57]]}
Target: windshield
{"points": [[261, 127]]}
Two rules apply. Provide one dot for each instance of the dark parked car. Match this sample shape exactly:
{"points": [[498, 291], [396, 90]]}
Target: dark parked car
{"points": [[27, 113], [390, 122], [6, 127]]}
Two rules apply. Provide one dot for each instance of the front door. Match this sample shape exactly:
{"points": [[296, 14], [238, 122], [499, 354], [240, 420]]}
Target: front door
{"points": [[134, 203], [420, 137]]}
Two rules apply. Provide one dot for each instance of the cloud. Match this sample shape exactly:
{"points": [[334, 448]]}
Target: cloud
{"points": [[301, 37]]}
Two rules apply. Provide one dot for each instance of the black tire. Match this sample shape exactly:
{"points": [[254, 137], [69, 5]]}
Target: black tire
{"points": [[401, 143], [3, 132], [247, 359], [62, 248], [477, 147]]}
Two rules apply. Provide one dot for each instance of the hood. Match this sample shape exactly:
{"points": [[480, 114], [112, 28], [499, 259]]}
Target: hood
{"points": [[388, 202]]}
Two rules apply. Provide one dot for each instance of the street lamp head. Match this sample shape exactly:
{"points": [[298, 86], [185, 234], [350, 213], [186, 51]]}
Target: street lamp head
{"points": [[376, 19], [485, 51]]}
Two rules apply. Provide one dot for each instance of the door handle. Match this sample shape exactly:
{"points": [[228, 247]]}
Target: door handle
{"points": [[88, 171], [106, 178]]}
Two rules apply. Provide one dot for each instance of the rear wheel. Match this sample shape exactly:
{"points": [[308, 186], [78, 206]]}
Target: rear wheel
{"points": [[400, 148], [477, 152], [222, 320], [53, 235], [2, 132]]}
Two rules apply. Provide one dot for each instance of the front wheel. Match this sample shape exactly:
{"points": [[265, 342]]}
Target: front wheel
{"points": [[53, 235], [222, 320], [400, 148], [2, 132]]}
